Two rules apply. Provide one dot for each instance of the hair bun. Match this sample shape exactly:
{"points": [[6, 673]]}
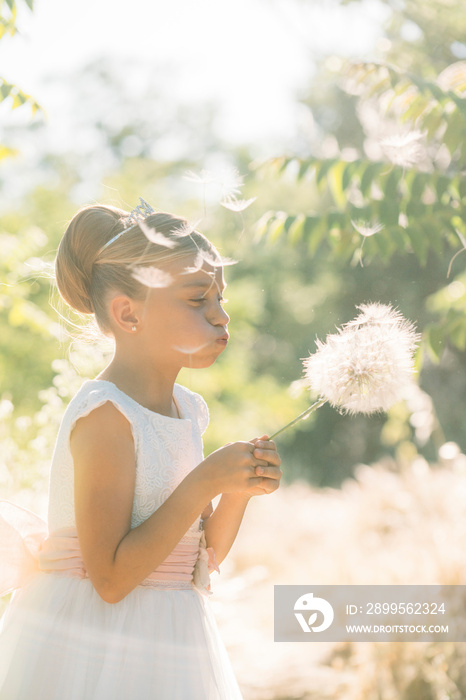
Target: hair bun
{"points": [[87, 232]]}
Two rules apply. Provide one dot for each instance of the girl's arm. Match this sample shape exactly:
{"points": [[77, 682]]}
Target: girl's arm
{"points": [[221, 527], [117, 558]]}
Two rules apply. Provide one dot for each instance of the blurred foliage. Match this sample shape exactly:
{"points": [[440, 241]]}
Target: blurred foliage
{"points": [[380, 197], [409, 203], [12, 94]]}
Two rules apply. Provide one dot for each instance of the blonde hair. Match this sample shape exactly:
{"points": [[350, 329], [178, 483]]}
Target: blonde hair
{"points": [[85, 272]]}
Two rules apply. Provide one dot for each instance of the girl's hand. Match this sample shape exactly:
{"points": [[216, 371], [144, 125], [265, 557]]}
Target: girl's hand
{"points": [[270, 474], [244, 468]]}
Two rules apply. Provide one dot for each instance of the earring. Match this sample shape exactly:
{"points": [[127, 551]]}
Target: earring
{"points": [[133, 328]]}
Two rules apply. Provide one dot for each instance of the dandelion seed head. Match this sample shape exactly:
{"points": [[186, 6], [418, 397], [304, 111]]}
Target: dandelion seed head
{"points": [[152, 277], [366, 366]]}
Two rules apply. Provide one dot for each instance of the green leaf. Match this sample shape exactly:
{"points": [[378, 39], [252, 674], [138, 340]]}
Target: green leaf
{"points": [[435, 236], [335, 181], [432, 122], [315, 229], [418, 184], [323, 167], [419, 243], [369, 176], [435, 342], [416, 108], [442, 183], [305, 166], [415, 208], [454, 131], [296, 230], [5, 89], [457, 333], [348, 173], [388, 212], [281, 222], [261, 226], [19, 99], [390, 182]]}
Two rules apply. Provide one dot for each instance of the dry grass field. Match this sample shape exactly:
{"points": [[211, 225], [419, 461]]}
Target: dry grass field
{"points": [[388, 525]]}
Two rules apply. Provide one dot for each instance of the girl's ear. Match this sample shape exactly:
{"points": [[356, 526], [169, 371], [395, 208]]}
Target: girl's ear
{"points": [[124, 313]]}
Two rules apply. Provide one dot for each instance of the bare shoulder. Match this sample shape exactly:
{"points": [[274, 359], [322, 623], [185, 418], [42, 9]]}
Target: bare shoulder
{"points": [[105, 424], [102, 448]]}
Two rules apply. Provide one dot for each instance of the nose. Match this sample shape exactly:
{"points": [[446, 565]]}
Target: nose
{"points": [[224, 317], [220, 316]]}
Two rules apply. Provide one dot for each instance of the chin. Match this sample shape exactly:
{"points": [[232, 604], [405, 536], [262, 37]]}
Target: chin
{"points": [[196, 362]]}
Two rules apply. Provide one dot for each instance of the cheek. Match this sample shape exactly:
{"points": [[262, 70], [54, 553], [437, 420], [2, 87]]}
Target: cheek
{"points": [[187, 332]]}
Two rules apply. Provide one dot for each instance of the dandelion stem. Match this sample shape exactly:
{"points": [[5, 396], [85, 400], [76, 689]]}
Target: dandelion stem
{"points": [[301, 416]]}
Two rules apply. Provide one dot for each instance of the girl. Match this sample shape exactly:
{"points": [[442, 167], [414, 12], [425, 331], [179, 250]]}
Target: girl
{"points": [[117, 609]]}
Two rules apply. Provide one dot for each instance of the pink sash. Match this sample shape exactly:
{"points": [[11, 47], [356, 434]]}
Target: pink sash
{"points": [[26, 550]]}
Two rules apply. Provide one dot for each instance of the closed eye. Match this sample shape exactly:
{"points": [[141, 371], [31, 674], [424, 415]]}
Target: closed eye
{"points": [[202, 299]]}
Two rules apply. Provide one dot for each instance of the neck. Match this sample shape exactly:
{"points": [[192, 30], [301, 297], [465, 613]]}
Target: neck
{"points": [[152, 389]]}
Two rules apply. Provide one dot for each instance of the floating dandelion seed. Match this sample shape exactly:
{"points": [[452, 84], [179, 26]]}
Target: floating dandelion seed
{"points": [[195, 267], [155, 237], [237, 205], [152, 277], [367, 229], [202, 178], [366, 366], [185, 229], [404, 149], [215, 261], [229, 179], [203, 256]]}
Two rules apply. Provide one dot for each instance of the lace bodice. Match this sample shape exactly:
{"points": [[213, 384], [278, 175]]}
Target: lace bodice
{"points": [[167, 449]]}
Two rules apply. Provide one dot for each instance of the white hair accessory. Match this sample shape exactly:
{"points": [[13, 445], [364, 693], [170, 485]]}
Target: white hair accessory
{"points": [[136, 216]]}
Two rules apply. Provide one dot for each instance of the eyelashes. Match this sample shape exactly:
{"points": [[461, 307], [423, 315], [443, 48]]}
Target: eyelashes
{"points": [[221, 300]]}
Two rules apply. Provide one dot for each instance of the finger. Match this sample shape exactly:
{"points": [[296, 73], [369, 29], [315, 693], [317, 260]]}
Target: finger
{"points": [[270, 456], [262, 438], [269, 472], [265, 485], [265, 444], [259, 463]]}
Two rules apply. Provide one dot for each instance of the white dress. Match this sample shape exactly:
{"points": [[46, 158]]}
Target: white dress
{"points": [[60, 641]]}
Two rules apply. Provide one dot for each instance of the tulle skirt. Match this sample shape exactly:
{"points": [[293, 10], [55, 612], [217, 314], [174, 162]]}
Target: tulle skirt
{"points": [[60, 641]]}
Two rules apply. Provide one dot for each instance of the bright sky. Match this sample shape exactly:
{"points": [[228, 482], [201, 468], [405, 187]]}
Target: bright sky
{"points": [[253, 55]]}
